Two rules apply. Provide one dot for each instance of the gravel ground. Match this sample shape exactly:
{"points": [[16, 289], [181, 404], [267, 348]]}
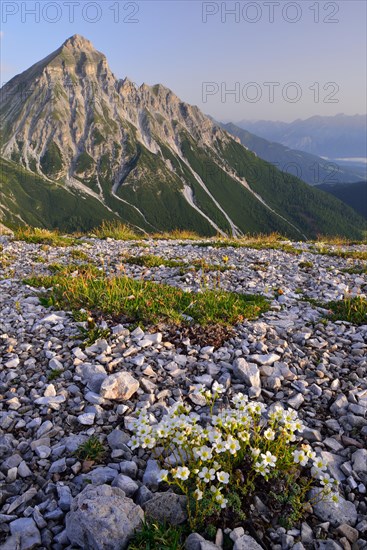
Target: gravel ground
{"points": [[317, 368]]}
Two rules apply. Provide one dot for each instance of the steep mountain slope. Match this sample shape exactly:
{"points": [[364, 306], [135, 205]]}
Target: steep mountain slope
{"points": [[27, 198], [353, 194], [326, 136], [144, 156], [310, 168]]}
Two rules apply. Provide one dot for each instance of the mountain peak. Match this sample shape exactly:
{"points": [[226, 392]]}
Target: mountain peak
{"points": [[77, 41]]}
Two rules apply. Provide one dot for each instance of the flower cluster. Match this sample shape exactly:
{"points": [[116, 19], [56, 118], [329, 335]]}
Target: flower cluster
{"points": [[202, 458]]}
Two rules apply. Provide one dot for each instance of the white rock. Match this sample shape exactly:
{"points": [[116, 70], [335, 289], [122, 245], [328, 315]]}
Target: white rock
{"points": [[246, 372], [12, 363], [120, 385], [87, 419], [267, 359], [50, 400], [49, 391]]}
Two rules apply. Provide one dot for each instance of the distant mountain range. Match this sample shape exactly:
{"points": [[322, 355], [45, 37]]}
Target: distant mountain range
{"points": [[334, 137], [310, 168], [78, 146]]}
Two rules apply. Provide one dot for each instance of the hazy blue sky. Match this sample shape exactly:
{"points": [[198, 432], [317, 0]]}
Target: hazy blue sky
{"points": [[170, 42]]}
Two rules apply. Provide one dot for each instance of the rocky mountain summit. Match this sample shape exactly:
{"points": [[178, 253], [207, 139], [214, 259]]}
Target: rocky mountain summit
{"points": [[79, 145], [57, 394]]}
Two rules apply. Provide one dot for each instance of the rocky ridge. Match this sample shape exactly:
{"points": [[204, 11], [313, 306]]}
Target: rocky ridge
{"points": [[55, 395]]}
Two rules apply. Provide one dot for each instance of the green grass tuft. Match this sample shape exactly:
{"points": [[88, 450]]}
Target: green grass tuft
{"points": [[353, 310], [54, 374], [42, 236], [92, 449], [150, 260], [117, 231], [145, 301], [156, 536], [305, 265]]}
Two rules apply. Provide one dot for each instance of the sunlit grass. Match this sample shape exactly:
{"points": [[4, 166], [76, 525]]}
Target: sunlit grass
{"points": [[351, 309], [177, 235], [338, 240], [43, 236], [274, 241], [145, 301], [117, 231], [150, 260]]}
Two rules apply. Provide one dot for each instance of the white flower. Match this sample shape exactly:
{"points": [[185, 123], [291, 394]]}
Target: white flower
{"points": [[163, 432], [255, 452], [207, 475], [269, 459], [244, 436], [319, 464], [216, 465], [215, 490], [180, 439], [256, 407], [326, 480], [233, 445], [223, 477], [261, 468], [220, 447], [182, 472], [308, 450], [240, 401], [269, 434], [134, 443], [162, 476], [290, 416], [143, 430], [214, 435], [297, 426], [276, 413], [290, 437], [221, 500], [300, 457], [148, 442], [198, 494], [311, 454], [316, 473], [335, 498], [204, 452], [218, 388]]}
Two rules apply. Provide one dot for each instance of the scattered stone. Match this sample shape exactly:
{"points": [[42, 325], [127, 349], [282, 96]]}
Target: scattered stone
{"points": [[27, 531], [336, 513], [246, 543], [126, 484], [349, 532], [120, 386], [167, 508], [102, 518], [150, 478]]}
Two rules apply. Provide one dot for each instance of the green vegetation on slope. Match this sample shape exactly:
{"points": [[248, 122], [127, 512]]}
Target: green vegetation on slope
{"points": [[51, 161], [26, 198], [353, 194], [249, 214], [157, 192], [311, 210]]}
